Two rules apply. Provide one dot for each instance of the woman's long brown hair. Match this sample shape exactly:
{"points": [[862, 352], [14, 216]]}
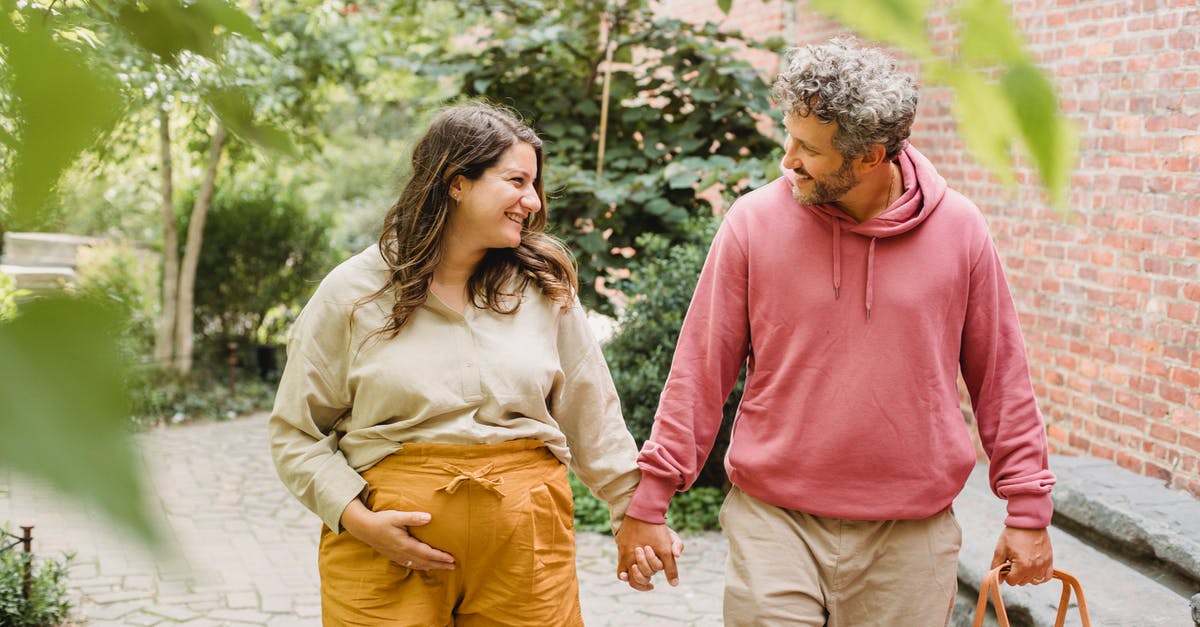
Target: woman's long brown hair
{"points": [[467, 140]]}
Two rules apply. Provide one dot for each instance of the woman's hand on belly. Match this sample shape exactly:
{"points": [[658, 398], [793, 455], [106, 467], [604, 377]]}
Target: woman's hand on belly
{"points": [[386, 531]]}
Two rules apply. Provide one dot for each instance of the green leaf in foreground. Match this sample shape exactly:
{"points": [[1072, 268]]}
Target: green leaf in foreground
{"points": [[900, 22], [233, 107], [62, 105], [990, 135], [63, 408], [1049, 137], [168, 27], [988, 33]]}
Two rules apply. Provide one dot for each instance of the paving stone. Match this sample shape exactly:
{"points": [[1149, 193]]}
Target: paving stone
{"points": [[173, 612], [142, 619], [243, 616], [293, 621], [189, 599], [111, 611], [240, 600], [108, 598], [276, 604], [308, 611]]}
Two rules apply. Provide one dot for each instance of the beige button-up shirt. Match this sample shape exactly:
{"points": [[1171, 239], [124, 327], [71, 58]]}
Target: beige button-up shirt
{"points": [[348, 398]]}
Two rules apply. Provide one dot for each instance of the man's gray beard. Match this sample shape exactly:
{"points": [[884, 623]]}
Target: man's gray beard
{"points": [[830, 189]]}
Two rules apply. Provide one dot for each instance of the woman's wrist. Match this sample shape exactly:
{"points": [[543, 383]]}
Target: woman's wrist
{"points": [[355, 517]]}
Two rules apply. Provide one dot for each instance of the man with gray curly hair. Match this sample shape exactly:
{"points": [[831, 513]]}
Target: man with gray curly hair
{"points": [[855, 288]]}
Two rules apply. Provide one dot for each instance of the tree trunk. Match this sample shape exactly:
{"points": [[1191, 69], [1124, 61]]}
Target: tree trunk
{"points": [[164, 331], [191, 254]]}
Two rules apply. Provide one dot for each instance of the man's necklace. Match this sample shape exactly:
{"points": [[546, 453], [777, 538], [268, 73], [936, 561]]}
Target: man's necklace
{"points": [[891, 186]]}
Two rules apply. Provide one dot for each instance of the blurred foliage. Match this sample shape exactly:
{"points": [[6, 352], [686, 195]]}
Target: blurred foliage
{"points": [[123, 278], [663, 278], [161, 398], [49, 602], [262, 250], [10, 295], [683, 116], [64, 409], [62, 377], [47, 129], [591, 514], [993, 115], [695, 510]]}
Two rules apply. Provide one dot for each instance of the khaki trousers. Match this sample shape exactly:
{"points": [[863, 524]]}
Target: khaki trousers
{"points": [[504, 511], [791, 568]]}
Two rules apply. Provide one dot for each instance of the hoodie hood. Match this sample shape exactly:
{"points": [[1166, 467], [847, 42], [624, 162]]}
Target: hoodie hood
{"points": [[922, 190]]}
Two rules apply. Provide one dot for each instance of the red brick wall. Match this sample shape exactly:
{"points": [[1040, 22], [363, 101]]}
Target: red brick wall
{"points": [[1110, 298]]}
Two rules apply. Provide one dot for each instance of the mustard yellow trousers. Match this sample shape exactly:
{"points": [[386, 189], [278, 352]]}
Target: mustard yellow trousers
{"points": [[504, 511]]}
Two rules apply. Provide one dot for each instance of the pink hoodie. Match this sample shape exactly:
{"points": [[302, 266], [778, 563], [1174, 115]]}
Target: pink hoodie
{"points": [[853, 335]]}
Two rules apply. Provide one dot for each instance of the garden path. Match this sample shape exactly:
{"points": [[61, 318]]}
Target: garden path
{"points": [[246, 550]]}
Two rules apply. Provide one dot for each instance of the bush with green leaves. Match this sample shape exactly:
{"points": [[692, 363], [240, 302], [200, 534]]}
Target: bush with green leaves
{"points": [[163, 398], [591, 514], [663, 278], [48, 602], [262, 248], [695, 510], [10, 295], [126, 279]]}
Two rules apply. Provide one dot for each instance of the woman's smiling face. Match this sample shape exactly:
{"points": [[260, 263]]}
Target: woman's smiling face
{"points": [[491, 211]]}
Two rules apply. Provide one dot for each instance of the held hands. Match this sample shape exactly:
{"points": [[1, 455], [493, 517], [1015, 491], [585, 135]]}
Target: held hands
{"points": [[1029, 553], [644, 549], [386, 531]]}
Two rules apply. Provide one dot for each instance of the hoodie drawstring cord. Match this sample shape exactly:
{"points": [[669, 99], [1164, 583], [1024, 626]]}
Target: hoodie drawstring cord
{"points": [[837, 259], [871, 276], [837, 267]]}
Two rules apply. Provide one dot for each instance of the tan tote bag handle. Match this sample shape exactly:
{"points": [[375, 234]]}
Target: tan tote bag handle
{"points": [[990, 587]]}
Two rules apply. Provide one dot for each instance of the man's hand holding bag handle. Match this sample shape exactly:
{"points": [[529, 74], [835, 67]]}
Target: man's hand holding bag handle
{"points": [[990, 587]]}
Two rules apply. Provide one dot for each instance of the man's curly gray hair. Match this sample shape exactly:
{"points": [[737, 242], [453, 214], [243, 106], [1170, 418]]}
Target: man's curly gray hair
{"points": [[859, 88]]}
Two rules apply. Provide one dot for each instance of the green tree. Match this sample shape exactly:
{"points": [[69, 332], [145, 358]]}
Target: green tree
{"points": [[638, 114]]}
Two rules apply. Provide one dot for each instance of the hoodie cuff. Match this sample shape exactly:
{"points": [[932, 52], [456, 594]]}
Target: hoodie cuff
{"points": [[650, 500], [1032, 511]]}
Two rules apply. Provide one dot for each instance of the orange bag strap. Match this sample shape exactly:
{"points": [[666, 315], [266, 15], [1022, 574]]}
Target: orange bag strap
{"points": [[990, 588]]}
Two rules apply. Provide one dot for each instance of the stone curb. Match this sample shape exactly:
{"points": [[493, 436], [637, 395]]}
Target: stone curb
{"points": [[1116, 594], [1138, 512]]}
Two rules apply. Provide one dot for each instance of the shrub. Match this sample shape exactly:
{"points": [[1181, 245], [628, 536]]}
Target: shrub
{"points": [[698, 509], [125, 280], [48, 602], [695, 510], [261, 249], [10, 295], [161, 397], [663, 278], [591, 514]]}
